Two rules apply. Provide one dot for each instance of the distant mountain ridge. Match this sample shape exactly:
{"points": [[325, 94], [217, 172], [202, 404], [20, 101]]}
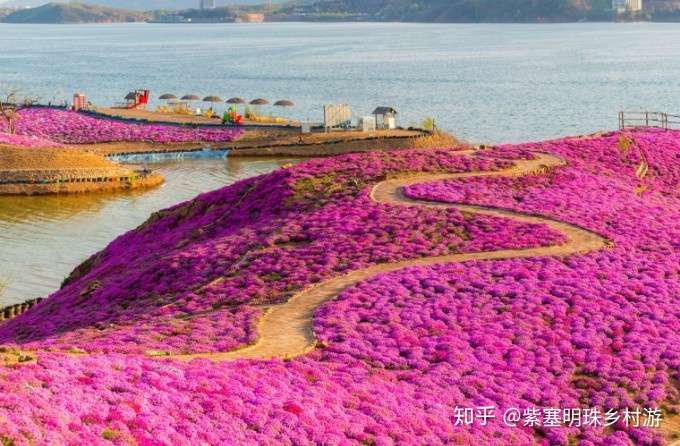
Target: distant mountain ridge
{"points": [[73, 13], [444, 11], [136, 5], [457, 10], [466, 10]]}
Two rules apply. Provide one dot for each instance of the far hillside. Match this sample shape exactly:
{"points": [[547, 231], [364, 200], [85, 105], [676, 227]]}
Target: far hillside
{"points": [[444, 11], [469, 10], [73, 13], [136, 5], [456, 10]]}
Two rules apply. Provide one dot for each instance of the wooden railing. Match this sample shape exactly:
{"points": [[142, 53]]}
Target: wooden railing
{"points": [[633, 119], [8, 313], [59, 177]]}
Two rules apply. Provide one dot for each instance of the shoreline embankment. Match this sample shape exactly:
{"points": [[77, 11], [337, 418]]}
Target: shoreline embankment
{"points": [[65, 170], [97, 167]]}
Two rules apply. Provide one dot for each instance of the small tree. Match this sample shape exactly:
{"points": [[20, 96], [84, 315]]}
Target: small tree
{"points": [[428, 124], [10, 106]]}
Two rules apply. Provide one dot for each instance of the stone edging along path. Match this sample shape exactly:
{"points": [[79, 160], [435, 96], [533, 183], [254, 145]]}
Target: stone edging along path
{"points": [[286, 330]]}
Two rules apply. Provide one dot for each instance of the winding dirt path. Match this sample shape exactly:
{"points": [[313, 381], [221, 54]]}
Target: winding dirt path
{"points": [[286, 330]]}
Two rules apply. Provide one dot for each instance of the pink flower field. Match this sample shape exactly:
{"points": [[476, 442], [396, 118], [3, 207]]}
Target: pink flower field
{"points": [[56, 127], [400, 356], [27, 141]]}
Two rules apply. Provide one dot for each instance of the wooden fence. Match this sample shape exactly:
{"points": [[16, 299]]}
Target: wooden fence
{"points": [[8, 313], [666, 121]]}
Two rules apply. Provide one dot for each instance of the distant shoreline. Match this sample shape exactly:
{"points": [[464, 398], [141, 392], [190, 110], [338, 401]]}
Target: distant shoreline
{"points": [[515, 22], [351, 22], [340, 11]]}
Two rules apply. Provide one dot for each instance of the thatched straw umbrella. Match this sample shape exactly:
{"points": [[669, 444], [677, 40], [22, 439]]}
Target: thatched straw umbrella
{"points": [[213, 100], [190, 98], [235, 102], [258, 103], [167, 97], [284, 103]]}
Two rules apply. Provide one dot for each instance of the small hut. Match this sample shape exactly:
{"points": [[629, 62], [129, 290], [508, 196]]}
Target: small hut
{"points": [[137, 99], [385, 117], [131, 99], [79, 101]]}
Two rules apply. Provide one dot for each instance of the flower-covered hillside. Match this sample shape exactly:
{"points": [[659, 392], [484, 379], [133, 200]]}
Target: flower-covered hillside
{"points": [[400, 354], [609, 319], [26, 141], [191, 279], [69, 127]]}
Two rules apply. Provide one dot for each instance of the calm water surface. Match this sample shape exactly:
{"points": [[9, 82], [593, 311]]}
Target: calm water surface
{"points": [[486, 83], [42, 239]]}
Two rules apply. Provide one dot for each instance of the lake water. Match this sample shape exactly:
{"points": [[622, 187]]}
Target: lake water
{"points": [[486, 83], [42, 239]]}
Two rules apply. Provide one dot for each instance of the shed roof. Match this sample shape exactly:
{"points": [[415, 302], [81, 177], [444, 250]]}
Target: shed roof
{"points": [[384, 111]]}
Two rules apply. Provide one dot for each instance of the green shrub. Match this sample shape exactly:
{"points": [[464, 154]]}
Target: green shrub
{"points": [[428, 124]]}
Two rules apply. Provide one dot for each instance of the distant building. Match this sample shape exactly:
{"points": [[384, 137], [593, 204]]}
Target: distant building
{"points": [[385, 117], [207, 4], [250, 18], [634, 5], [622, 6]]}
